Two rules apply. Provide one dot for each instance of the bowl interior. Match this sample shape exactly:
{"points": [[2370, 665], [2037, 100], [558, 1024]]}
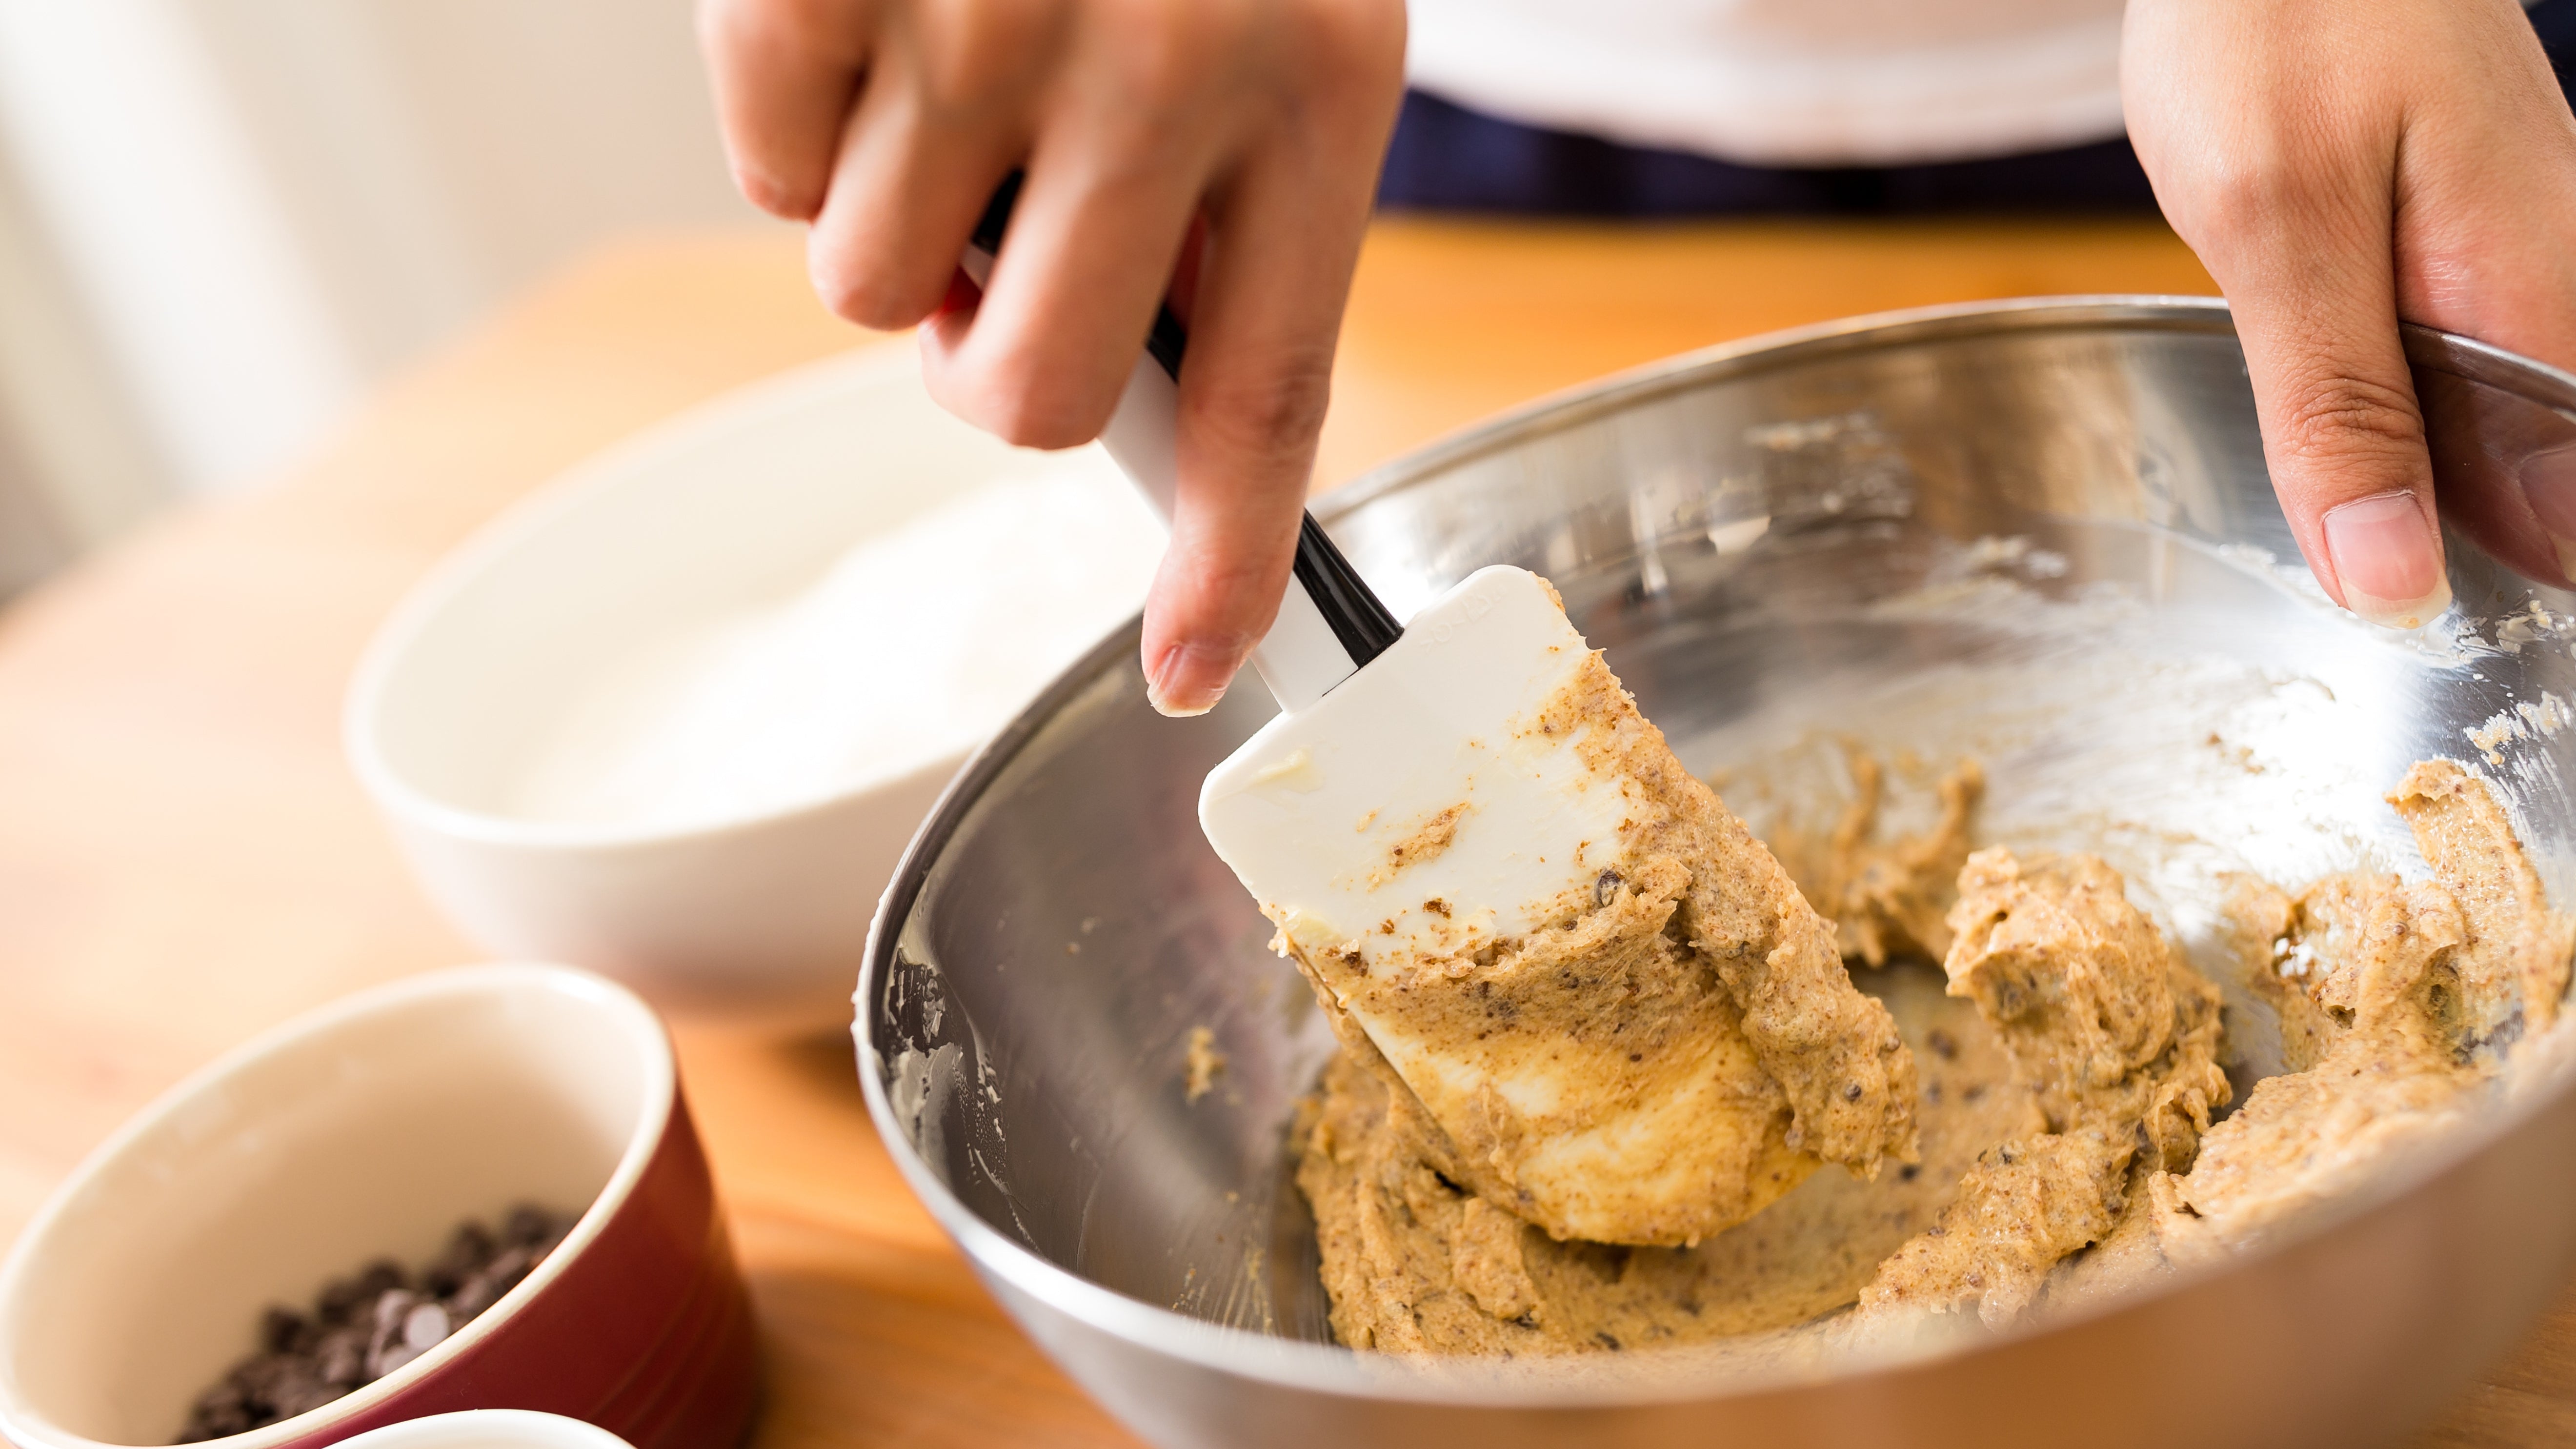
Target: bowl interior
{"points": [[2043, 536], [737, 505], [368, 1130]]}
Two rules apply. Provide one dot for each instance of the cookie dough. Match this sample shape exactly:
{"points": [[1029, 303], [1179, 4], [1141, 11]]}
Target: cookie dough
{"points": [[2069, 1078], [2400, 1002], [1686, 1010], [1886, 898], [2116, 1039], [1414, 1262]]}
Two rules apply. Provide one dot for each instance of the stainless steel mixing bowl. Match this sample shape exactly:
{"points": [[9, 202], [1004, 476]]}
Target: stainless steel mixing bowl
{"points": [[2040, 532]]}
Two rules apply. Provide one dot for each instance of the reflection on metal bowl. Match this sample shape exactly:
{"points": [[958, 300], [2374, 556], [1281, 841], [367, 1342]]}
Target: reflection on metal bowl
{"points": [[2041, 532]]}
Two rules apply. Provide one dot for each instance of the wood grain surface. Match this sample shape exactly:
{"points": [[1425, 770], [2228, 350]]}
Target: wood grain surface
{"points": [[185, 860]]}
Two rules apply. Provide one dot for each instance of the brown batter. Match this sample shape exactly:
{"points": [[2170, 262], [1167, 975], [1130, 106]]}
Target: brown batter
{"points": [[1415, 1263], [2115, 1037], [2069, 1077], [1688, 1010], [1885, 898], [2399, 1004]]}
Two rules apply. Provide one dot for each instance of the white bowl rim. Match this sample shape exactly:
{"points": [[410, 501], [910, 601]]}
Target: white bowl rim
{"points": [[488, 1429], [20, 1425], [725, 414]]}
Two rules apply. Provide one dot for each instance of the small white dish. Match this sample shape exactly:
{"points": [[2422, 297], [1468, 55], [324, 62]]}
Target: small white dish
{"points": [[487, 669], [488, 1429]]}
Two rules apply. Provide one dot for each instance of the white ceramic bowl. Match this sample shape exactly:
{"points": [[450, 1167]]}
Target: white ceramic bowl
{"points": [[489, 1429], [368, 1129], [734, 505]]}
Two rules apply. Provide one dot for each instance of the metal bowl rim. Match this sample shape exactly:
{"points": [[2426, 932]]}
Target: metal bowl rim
{"points": [[1332, 1369]]}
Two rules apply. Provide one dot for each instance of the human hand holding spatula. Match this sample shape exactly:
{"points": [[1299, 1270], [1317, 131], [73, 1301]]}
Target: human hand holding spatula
{"points": [[1624, 1019]]}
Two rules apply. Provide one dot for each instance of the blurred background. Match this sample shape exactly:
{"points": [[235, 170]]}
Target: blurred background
{"points": [[222, 220]]}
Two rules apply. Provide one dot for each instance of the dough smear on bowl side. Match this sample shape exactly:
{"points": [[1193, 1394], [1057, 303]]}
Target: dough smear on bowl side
{"points": [[2401, 1003], [1672, 1048], [1886, 898]]}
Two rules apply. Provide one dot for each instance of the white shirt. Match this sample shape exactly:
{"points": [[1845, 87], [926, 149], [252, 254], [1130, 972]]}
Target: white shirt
{"points": [[1785, 82]]}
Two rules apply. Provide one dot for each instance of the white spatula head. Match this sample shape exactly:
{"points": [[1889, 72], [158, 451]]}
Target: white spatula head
{"points": [[1610, 999]]}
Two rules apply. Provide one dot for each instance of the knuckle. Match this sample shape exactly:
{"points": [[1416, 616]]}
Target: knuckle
{"points": [[970, 55], [1273, 417], [2343, 418], [1172, 49], [2241, 193], [1354, 36]]}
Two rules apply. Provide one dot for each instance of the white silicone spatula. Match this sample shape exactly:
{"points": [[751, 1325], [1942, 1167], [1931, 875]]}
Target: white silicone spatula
{"points": [[1329, 623], [1401, 809]]}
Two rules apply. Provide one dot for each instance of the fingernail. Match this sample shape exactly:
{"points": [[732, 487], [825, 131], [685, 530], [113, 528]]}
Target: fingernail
{"points": [[1188, 681], [2549, 481], [2388, 560]]}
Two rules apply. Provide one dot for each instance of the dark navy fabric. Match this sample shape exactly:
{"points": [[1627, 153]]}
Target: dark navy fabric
{"points": [[1446, 157]]}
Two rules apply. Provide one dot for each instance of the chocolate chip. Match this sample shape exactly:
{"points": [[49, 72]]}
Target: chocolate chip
{"points": [[425, 1327], [1851, 1091], [496, 1278], [342, 1300], [280, 1329], [341, 1357], [527, 1225], [468, 1248], [1943, 1045], [1604, 887], [369, 1324]]}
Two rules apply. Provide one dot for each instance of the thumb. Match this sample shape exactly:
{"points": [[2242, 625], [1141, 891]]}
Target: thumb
{"points": [[2342, 431]]}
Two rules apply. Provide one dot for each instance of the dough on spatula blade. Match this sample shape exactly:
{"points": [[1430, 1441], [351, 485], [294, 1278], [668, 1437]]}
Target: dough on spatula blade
{"points": [[1624, 1019]]}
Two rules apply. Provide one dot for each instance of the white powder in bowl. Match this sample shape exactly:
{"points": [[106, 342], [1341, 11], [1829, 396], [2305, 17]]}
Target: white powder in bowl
{"points": [[915, 646]]}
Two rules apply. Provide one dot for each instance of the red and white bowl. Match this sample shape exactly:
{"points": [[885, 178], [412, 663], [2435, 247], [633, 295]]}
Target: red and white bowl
{"points": [[370, 1128]]}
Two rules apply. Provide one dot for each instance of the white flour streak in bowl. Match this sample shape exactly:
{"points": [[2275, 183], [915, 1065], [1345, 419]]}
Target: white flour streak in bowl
{"points": [[911, 648]]}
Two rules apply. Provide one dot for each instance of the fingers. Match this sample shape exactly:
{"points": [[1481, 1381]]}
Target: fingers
{"points": [[887, 124], [2314, 292], [784, 73], [1042, 357], [949, 108], [2288, 193], [2491, 261], [2342, 432], [1284, 238]]}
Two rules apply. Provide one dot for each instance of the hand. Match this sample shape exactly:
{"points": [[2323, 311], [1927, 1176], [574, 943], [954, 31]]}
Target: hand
{"points": [[887, 123], [2339, 165]]}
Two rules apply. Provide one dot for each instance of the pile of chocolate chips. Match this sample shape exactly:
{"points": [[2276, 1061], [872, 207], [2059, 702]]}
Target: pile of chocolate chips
{"points": [[365, 1327]]}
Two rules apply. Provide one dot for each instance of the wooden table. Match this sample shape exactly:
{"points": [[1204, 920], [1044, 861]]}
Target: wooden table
{"points": [[185, 860]]}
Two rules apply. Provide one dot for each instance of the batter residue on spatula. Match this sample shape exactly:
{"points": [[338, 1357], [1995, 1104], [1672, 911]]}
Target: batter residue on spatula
{"points": [[1685, 1009]]}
